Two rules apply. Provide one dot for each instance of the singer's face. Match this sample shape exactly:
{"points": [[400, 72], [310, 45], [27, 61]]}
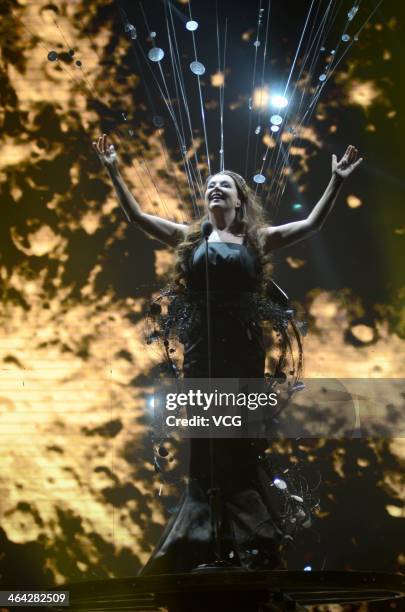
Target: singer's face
{"points": [[221, 193]]}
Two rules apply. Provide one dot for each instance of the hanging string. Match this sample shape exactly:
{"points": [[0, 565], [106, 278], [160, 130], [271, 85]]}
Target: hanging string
{"points": [[250, 104], [280, 176], [336, 64], [169, 106], [190, 173], [221, 71], [160, 132], [260, 113], [288, 81], [308, 114], [200, 95], [176, 63], [313, 43]]}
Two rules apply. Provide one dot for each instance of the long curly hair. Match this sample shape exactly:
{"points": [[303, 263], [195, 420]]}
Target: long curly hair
{"points": [[248, 220]]}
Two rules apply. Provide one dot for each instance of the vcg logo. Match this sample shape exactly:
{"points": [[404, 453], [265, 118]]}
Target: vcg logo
{"points": [[227, 421]]}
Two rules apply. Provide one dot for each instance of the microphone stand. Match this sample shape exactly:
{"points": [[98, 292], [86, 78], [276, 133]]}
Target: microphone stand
{"points": [[213, 491]]}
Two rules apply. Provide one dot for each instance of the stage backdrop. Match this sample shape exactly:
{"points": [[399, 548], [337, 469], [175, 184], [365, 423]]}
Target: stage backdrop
{"points": [[79, 494]]}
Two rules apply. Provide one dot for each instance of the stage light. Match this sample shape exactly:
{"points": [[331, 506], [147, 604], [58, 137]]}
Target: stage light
{"points": [[278, 101]]}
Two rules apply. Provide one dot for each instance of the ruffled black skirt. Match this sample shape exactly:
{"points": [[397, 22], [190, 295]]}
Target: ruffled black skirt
{"points": [[250, 533]]}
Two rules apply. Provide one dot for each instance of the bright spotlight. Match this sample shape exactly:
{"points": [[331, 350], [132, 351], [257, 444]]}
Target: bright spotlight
{"points": [[278, 101]]}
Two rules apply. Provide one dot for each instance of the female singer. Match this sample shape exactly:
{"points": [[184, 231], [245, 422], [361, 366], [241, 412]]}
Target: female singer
{"points": [[239, 245]]}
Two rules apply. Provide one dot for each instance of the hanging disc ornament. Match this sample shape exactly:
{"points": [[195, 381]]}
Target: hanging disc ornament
{"points": [[297, 498], [191, 25], [131, 31], [156, 54], [158, 121], [274, 128], [276, 119], [197, 68], [259, 178], [352, 13], [280, 484], [322, 77], [345, 38]]}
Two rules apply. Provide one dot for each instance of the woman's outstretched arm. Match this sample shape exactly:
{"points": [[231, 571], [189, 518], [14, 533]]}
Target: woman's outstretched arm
{"points": [[283, 235], [166, 231]]}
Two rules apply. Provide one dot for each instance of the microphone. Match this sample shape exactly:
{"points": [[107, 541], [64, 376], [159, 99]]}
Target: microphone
{"points": [[206, 229]]}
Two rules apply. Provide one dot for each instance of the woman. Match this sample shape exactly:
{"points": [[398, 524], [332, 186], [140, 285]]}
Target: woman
{"points": [[248, 530]]}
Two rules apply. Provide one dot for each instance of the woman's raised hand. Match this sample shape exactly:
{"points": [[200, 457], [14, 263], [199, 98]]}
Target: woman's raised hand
{"points": [[350, 160], [106, 152]]}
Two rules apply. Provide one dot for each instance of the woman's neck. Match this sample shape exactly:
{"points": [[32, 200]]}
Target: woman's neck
{"points": [[222, 219]]}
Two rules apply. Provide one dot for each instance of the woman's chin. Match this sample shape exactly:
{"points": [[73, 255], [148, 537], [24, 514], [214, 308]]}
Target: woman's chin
{"points": [[217, 204]]}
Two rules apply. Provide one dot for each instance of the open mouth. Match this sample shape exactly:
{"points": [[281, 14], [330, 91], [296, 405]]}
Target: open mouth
{"points": [[216, 196]]}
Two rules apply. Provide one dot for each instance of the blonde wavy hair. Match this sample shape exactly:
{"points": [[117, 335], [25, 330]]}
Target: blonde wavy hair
{"points": [[248, 220]]}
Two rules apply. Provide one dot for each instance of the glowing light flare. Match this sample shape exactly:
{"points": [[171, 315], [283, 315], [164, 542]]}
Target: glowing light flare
{"points": [[246, 36], [217, 79], [260, 98], [394, 510], [363, 93], [278, 101], [353, 201], [269, 141], [295, 263], [363, 333]]}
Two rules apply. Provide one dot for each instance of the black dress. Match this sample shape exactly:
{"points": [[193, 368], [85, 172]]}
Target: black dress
{"points": [[250, 530]]}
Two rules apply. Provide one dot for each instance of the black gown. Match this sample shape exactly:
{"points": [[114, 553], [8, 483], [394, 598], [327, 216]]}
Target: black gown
{"points": [[250, 532]]}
